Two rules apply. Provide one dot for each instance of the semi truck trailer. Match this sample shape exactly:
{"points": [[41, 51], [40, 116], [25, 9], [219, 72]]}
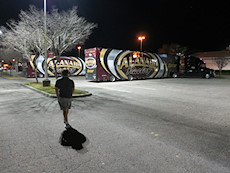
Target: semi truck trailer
{"points": [[104, 64]]}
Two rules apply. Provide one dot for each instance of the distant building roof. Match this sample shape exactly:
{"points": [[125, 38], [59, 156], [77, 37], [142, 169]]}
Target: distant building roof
{"points": [[209, 57], [212, 54]]}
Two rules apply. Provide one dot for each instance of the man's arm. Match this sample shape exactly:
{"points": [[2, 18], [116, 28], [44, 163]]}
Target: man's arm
{"points": [[56, 89], [73, 88]]}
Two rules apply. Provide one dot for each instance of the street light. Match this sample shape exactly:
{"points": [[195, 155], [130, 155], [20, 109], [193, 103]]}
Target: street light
{"points": [[14, 64], [141, 38], [46, 82], [79, 51]]}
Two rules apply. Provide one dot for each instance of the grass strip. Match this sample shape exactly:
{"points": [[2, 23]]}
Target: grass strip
{"points": [[9, 76], [51, 88], [223, 76]]}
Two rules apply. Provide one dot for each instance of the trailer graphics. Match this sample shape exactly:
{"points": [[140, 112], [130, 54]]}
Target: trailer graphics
{"points": [[76, 66], [136, 64], [113, 64]]}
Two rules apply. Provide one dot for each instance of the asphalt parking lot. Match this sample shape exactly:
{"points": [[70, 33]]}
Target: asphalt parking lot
{"points": [[162, 125]]}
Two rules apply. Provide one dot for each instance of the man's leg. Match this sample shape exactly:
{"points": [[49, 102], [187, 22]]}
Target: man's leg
{"points": [[65, 105], [65, 114]]}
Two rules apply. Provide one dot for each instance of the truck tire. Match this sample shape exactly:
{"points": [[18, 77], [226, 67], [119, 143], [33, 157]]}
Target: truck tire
{"points": [[40, 75], [112, 79], [214, 74], [207, 75], [130, 77], [174, 75]]}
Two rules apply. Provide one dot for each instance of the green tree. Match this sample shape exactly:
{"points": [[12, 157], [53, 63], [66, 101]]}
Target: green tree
{"points": [[173, 49]]}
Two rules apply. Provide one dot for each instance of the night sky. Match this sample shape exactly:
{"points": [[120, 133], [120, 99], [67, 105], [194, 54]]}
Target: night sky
{"points": [[200, 26]]}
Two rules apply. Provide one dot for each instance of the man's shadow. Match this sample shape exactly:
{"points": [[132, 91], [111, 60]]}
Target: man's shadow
{"points": [[71, 137]]}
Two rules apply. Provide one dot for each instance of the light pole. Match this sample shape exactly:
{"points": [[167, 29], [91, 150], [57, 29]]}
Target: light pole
{"points": [[46, 82], [141, 38], [15, 64], [79, 51]]}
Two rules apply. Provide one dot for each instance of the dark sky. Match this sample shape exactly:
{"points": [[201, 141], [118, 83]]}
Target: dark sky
{"points": [[196, 24]]}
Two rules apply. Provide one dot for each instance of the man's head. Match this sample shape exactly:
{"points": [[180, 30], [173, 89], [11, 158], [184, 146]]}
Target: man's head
{"points": [[65, 73]]}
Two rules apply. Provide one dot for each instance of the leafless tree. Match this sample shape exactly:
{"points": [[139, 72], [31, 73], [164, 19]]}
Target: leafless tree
{"points": [[19, 37], [64, 30], [221, 62]]}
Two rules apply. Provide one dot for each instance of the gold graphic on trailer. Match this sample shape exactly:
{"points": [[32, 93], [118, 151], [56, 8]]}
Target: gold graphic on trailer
{"points": [[156, 67], [137, 64], [72, 64], [32, 60], [102, 60], [121, 62]]}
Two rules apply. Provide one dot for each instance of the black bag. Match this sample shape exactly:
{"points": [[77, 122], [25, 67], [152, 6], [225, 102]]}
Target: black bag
{"points": [[71, 137]]}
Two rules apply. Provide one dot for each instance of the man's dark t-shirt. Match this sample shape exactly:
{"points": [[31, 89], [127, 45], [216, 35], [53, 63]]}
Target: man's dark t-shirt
{"points": [[65, 86]]}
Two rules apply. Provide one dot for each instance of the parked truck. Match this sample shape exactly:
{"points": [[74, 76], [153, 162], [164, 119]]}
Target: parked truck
{"points": [[187, 66], [112, 64]]}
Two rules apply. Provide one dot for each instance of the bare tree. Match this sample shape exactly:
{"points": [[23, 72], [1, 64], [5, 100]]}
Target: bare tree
{"points": [[221, 62], [31, 23], [17, 38], [64, 30]]}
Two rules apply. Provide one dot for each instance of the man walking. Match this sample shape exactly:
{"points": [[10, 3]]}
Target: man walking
{"points": [[64, 88]]}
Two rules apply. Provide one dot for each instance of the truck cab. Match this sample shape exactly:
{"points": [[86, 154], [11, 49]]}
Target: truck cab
{"points": [[196, 67]]}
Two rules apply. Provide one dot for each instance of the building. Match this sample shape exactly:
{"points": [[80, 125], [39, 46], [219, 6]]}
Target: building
{"points": [[209, 57]]}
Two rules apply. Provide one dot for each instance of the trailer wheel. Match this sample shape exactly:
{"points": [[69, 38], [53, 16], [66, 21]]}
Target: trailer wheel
{"points": [[40, 75], [112, 79], [130, 77], [214, 74], [207, 76], [174, 75]]}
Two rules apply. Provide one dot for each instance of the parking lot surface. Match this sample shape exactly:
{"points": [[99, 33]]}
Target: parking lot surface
{"points": [[163, 125]]}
